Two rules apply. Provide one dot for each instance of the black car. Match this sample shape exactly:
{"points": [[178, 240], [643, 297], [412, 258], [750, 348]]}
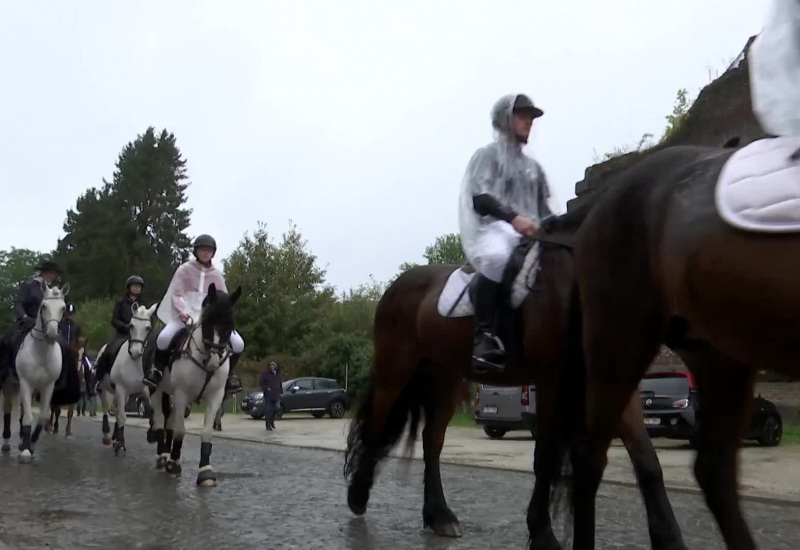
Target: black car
{"points": [[672, 409], [139, 404], [319, 396]]}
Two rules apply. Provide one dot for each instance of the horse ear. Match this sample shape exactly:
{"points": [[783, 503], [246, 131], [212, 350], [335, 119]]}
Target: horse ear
{"points": [[152, 309], [65, 290], [212, 291], [236, 295]]}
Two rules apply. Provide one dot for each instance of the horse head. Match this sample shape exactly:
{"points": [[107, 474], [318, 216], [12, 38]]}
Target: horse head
{"points": [[140, 327], [216, 321], [52, 311]]}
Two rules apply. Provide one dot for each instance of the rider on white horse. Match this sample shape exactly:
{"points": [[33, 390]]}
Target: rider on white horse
{"points": [[26, 307], [504, 195], [121, 321], [183, 302]]}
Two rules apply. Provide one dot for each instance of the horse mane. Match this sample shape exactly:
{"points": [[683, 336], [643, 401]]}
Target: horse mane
{"points": [[217, 315]]}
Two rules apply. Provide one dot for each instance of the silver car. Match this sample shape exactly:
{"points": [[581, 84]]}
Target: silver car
{"points": [[500, 409]]}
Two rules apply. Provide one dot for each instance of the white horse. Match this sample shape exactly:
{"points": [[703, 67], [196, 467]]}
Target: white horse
{"points": [[125, 378], [38, 366], [198, 373]]}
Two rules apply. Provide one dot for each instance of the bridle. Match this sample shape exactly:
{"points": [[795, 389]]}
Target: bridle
{"points": [[222, 350], [137, 340], [44, 323]]}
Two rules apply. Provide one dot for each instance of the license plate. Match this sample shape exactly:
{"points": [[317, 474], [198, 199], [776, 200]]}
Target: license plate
{"points": [[652, 421], [490, 410]]}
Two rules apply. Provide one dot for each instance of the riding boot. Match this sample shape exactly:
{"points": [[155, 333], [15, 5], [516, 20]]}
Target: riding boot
{"points": [[232, 385], [160, 362], [488, 354]]}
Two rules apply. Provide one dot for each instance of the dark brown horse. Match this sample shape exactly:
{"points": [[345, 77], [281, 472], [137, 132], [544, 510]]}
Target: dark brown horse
{"points": [[656, 263], [421, 361]]}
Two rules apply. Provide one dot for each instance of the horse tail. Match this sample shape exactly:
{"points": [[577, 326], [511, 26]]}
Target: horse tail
{"points": [[400, 394], [570, 414]]}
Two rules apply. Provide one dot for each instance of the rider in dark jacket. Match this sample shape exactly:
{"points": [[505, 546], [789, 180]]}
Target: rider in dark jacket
{"points": [[68, 328], [120, 320], [26, 308]]}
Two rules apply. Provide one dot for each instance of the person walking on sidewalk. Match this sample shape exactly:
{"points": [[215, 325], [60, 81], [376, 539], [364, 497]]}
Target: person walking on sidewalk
{"points": [[272, 387]]}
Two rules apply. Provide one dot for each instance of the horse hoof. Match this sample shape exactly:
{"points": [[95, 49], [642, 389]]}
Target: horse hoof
{"points": [[106, 441], [68, 434], [6, 448], [173, 469], [206, 478], [119, 450], [161, 463], [450, 529], [357, 503], [25, 456]]}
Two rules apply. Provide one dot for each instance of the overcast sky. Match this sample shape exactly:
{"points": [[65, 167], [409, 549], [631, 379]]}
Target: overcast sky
{"points": [[353, 119]]}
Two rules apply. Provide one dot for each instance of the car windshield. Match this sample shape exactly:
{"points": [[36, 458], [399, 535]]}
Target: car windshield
{"points": [[672, 385]]}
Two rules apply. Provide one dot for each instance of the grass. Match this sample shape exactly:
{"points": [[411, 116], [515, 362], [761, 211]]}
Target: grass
{"points": [[463, 420], [791, 435]]}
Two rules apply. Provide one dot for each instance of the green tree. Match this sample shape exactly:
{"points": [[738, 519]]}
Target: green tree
{"points": [[134, 224], [676, 120], [17, 265], [446, 249], [284, 295]]}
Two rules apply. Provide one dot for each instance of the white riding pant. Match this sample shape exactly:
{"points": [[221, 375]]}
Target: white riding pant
{"points": [[493, 248], [165, 337]]}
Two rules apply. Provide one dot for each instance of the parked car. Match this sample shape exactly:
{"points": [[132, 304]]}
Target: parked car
{"points": [[500, 409], [139, 403], [319, 396], [672, 409]]}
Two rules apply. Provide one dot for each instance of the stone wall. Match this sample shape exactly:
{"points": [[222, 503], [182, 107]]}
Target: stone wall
{"points": [[721, 112]]}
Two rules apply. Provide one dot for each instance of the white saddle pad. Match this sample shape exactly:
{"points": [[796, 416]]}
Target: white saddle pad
{"points": [[454, 301], [759, 187]]}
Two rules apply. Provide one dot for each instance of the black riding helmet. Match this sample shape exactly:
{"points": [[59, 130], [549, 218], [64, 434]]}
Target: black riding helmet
{"points": [[204, 240], [134, 280]]}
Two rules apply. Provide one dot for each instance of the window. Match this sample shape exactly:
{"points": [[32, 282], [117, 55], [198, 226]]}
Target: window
{"points": [[666, 385], [304, 384], [322, 384]]}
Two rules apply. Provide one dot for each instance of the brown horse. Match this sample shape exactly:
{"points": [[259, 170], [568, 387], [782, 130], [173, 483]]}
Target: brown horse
{"points": [[656, 263], [421, 362]]}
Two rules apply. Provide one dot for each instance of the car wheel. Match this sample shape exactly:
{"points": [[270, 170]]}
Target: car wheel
{"points": [[141, 408], [771, 432], [494, 433], [256, 416], [336, 409], [318, 414]]}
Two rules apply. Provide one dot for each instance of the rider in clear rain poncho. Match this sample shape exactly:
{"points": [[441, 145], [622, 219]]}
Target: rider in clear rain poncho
{"points": [[774, 63], [503, 197], [184, 301]]}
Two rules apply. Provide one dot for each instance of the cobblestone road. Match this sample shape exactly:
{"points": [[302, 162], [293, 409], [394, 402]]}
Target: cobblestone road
{"points": [[77, 494]]}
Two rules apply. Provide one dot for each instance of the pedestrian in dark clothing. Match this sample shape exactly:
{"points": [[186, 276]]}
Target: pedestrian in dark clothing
{"points": [[272, 387]]}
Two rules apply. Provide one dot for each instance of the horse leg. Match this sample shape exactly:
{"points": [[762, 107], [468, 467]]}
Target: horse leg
{"points": [[105, 426], [206, 476], [56, 412], [26, 396], [440, 400], [159, 426], [545, 463], [721, 382], [70, 412], [8, 406], [665, 534], [613, 373], [44, 405], [178, 430], [119, 424], [381, 417]]}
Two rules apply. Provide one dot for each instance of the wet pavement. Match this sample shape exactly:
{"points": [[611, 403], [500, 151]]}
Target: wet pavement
{"points": [[77, 494]]}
